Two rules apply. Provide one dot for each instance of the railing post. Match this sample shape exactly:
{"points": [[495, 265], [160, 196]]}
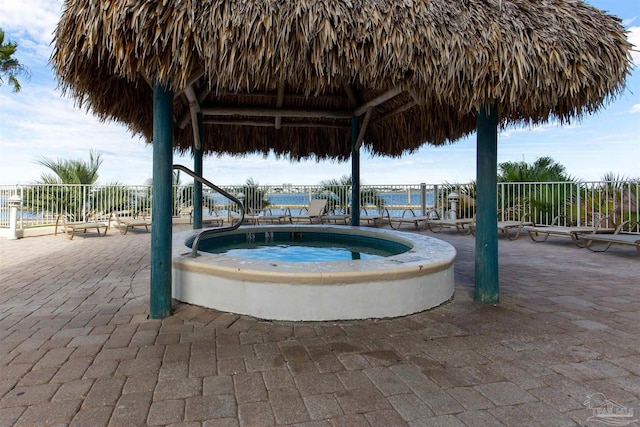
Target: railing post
{"points": [[14, 202], [21, 210], [436, 198], [84, 202], [423, 198], [578, 202]]}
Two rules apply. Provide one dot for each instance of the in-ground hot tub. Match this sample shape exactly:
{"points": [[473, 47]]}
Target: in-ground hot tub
{"points": [[417, 278]]}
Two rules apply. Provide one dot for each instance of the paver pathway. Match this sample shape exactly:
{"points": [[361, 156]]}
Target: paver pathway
{"points": [[77, 349]]}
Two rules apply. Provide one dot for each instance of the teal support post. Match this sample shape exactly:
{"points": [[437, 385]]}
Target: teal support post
{"points": [[161, 203], [197, 185], [355, 172], [486, 289]]}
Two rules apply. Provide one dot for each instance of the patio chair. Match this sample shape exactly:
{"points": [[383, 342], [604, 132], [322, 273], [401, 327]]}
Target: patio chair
{"points": [[370, 217], [616, 238], [511, 229], [436, 224], [272, 215], [186, 211], [335, 218], [126, 220], [316, 208], [212, 218], [70, 227], [409, 217], [541, 233], [249, 218]]}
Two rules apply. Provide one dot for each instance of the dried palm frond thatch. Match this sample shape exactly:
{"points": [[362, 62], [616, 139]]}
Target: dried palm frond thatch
{"points": [[422, 68]]}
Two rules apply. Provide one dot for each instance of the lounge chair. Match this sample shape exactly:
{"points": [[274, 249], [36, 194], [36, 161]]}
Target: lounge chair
{"points": [[316, 208], [436, 224], [234, 217], [70, 227], [541, 233], [372, 218], [212, 218], [184, 212], [617, 238], [125, 220], [335, 218], [409, 217], [511, 229], [273, 215]]}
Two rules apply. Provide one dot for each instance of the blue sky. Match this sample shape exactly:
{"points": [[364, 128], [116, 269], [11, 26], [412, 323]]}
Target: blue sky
{"points": [[38, 122]]}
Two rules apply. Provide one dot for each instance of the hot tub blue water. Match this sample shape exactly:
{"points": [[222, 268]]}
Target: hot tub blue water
{"points": [[302, 247]]}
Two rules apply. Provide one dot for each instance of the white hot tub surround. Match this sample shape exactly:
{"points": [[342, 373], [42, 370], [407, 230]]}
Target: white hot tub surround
{"points": [[414, 281]]}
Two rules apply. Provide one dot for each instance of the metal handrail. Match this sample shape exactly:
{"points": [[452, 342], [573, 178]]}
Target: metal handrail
{"points": [[207, 231]]}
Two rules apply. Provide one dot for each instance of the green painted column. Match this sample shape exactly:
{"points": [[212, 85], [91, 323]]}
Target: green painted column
{"points": [[161, 203], [197, 185], [355, 172], [486, 290]]}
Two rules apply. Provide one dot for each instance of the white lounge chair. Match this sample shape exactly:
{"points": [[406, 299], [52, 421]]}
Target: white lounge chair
{"points": [[272, 215], [436, 224], [234, 217], [316, 208], [373, 218], [125, 220], [511, 229], [617, 238], [541, 233], [611, 239], [409, 217], [212, 218], [335, 218], [70, 227]]}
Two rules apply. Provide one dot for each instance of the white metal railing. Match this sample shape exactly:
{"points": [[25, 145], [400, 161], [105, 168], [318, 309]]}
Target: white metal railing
{"points": [[576, 203]]}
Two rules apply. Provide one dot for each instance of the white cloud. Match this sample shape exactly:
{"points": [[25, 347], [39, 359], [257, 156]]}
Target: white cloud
{"points": [[543, 127], [635, 108], [35, 19], [634, 37]]}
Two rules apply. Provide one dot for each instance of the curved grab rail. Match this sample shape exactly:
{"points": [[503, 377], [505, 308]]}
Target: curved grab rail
{"points": [[200, 235]]}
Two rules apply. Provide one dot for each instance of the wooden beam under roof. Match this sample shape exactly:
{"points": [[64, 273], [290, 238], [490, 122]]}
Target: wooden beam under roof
{"points": [[275, 112], [185, 118], [363, 128], [194, 109], [279, 103], [257, 123], [378, 100], [398, 110]]}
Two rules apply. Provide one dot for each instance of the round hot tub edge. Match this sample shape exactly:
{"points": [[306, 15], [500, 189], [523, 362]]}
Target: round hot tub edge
{"points": [[414, 281]]}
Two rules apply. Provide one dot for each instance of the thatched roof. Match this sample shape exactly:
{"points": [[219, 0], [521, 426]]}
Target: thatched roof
{"points": [[423, 67]]}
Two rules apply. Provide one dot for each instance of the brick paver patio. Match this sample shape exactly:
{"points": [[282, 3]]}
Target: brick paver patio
{"points": [[77, 349]]}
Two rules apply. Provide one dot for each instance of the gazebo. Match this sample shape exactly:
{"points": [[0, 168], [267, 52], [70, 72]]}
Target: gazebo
{"points": [[322, 79]]}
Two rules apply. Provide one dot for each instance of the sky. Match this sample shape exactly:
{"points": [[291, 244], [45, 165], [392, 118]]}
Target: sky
{"points": [[39, 122]]}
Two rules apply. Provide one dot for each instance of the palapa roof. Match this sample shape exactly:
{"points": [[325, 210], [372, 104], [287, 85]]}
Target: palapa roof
{"points": [[287, 75]]}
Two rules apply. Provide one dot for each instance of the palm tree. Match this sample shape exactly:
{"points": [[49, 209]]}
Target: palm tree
{"points": [[544, 169], [616, 197], [68, 192], [10, 67], [255, 197], [338, 192], [541, 201], [466, 204], [72, 171], [181, 195]]}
